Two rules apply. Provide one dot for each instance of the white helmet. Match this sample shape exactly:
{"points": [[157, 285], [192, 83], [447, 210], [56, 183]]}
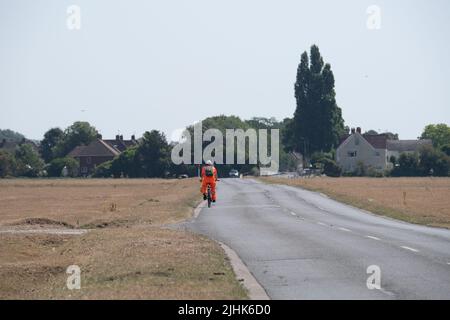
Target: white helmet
{"points": [[209, 162]]}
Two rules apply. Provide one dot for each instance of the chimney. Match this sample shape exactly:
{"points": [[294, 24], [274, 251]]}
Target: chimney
{"points": [[121, 137], [353, 130], [133, 137], [358, 130], [117, 137], [3, 142]]}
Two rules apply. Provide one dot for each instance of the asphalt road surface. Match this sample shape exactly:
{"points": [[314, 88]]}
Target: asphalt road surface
{"points": [[302, 245]]}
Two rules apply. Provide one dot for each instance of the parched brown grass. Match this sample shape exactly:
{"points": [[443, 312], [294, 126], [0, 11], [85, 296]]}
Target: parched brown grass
{"points": [[417, 200], [127, 252], [85, 203]]}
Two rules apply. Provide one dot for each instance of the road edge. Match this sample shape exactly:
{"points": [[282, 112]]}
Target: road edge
{"points": [[241, 272], [244, 276]]}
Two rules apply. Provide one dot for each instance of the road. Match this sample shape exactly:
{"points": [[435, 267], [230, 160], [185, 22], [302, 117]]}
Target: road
{"points": [[302, 245]]}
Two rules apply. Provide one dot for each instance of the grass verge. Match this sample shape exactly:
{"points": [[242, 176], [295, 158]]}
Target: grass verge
{"points": [[423, 201], [127, 253]]}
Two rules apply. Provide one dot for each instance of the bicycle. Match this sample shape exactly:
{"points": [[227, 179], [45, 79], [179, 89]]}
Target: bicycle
{"points": [[208, 195]]}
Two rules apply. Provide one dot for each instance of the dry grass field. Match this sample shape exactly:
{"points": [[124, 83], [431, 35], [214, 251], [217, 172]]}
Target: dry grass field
{"points": [[127, 252], [417, 200]]}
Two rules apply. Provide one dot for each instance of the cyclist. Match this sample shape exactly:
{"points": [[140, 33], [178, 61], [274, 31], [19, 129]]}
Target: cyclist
{"points": [[209, 176]]}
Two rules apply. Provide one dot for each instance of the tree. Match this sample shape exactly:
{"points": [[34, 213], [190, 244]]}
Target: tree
{"points": [[330, 168], [10, 135], [446, 149], [407, 165], [438, 133], [390, 135], [318, 122], [79, 133], [7, 164], [51, 139], [127, 164], [433, 162], [153, 154], [29, 163], [56, 166]]}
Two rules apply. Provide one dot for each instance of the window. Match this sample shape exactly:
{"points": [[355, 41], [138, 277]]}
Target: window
{"points": [[84, 169], [377, 153], [351, 154], [88, 160]]}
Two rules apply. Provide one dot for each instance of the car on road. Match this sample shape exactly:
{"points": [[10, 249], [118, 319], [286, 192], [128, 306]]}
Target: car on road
{"points": [[233, 173]]}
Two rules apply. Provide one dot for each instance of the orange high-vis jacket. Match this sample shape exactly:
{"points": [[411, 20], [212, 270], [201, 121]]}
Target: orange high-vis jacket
{"points": [[209, 179]]}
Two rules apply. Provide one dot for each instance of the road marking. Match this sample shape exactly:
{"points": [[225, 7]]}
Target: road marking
{"points": [[248, 206], [387, 292], [293, 213], [321, 223], [374, 238], [410, 249], [344, 229]]}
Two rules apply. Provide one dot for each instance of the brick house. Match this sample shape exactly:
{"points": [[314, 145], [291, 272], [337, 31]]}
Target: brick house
{"points": [[98, 152]]}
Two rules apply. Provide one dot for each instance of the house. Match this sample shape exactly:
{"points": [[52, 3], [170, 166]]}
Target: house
{"points": [[372, 151], [11, 146], [98, 152]]}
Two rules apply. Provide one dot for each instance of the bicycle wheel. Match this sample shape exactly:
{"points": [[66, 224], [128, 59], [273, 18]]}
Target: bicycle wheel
{"points": [[209, 197]]}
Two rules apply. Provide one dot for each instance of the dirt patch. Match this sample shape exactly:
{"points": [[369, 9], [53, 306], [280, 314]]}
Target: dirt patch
{"points": [[41, 222]]}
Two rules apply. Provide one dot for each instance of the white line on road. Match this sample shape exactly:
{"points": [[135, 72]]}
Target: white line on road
{"points": [[344, 229], [387, 292], [293, 213], [410, 249], [373, 238], [321, 223]]}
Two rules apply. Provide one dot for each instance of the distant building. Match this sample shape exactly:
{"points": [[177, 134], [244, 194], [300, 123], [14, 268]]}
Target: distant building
{"points": [[11, 146], [372, 151], [98, 152]]}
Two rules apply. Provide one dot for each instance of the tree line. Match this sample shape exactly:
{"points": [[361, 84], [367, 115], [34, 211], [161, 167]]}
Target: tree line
{"points": [[314, 131]]}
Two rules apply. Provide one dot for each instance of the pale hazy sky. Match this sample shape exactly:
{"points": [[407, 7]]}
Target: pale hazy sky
{"points": [[141, 65]]}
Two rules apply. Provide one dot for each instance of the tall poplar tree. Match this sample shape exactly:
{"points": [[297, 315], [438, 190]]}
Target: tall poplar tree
{"points": [[318, 122]]}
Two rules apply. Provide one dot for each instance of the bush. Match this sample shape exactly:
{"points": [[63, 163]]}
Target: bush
{"points": [[28, 162], [446, 149], [56, 166], [433, 162], [407, 165], [103, 170], [330, 168], [254, 171], [375, 173], [7, 164]]}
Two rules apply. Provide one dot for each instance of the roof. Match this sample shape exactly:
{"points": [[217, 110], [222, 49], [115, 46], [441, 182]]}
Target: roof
{"points": [[378, 141], [407, 145], [97, 148], [11, 146], [120, 145]]}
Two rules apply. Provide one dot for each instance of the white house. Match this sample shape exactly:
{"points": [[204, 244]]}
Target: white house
{"points": [[372, 151]]}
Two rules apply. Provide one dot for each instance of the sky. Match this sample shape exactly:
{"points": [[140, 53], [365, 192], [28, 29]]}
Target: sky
{"points": [[134, 66]]}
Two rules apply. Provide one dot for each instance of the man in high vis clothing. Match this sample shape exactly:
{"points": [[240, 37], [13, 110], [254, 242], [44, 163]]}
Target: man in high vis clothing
{"points": [[209, 176]]}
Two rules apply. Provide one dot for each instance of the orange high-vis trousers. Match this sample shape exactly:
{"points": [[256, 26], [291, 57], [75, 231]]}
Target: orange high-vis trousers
{"points": [[211, 181]]}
